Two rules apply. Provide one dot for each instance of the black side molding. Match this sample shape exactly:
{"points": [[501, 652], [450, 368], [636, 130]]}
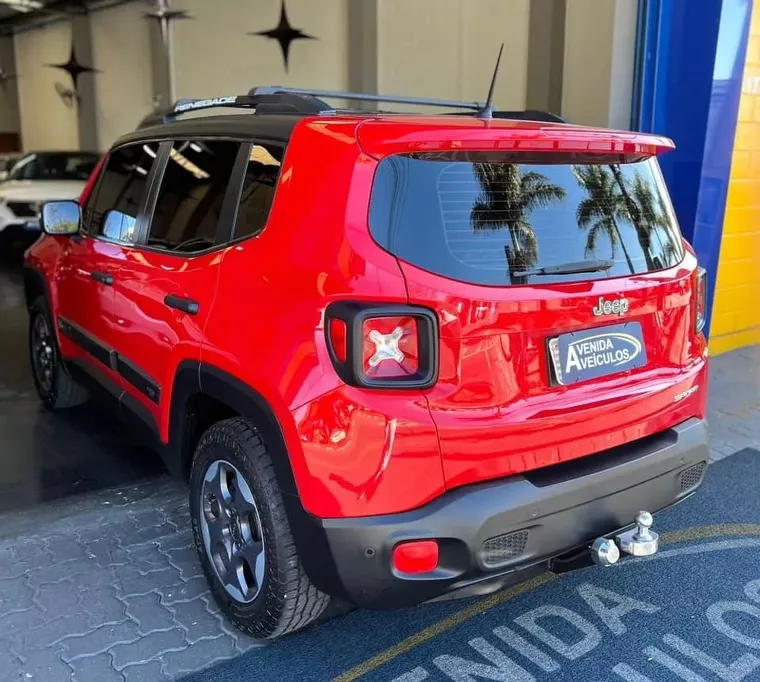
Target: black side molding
{"points": [[186, 305], [100, 352], [141, 381], [110, 358]]}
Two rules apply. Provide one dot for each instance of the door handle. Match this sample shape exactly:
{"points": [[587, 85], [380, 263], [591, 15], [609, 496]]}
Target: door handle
{"points": [[186, 305], [103, 278]]}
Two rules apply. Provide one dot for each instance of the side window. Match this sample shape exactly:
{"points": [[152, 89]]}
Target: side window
{"points": [[112, 210], [258, 189], [191, 195]]}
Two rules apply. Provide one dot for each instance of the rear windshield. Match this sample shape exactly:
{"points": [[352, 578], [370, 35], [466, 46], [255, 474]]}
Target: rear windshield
{"points": [[488, 219]]}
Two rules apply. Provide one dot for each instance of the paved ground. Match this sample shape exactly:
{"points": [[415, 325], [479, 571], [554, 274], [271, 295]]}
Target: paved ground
{"points": [[44, 456], [691, 612], [734, 402], [97, 588], [105, 586]]}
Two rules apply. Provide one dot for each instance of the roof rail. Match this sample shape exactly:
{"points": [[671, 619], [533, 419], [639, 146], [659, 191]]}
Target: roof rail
{"points": [[275, 99], [263, 103], [363, 96]]}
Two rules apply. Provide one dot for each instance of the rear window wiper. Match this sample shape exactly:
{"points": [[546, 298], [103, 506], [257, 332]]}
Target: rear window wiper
{"points": [[577, 267]]}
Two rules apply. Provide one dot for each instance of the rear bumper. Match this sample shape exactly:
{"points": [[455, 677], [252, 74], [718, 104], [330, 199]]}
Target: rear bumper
{"points": [[545, 513]]}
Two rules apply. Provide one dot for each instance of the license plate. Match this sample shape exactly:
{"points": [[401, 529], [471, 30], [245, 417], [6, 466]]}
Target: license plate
{"points": [[592, 353], [32, 225]]}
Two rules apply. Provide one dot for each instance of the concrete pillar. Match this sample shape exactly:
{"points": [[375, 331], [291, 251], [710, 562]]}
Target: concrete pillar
{"points": [[599, 52], [161, 56], [546, 55], [448, 48], [81, 36], [9, 117], [362, 48], [442, 49]]}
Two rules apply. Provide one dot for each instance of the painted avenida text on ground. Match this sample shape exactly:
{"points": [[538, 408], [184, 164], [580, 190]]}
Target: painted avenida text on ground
{"points": [[551, 639]]}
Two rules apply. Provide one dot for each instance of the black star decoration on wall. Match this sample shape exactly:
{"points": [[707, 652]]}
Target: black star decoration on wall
{"points": [[284, 34], [73, 68]]}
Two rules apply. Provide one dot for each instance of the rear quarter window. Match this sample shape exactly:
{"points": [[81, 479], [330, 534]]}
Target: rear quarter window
{"points": [[493, 219]]}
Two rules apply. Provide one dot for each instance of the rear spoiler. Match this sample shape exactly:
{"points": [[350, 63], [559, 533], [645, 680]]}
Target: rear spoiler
{"points": [[380, 138]]}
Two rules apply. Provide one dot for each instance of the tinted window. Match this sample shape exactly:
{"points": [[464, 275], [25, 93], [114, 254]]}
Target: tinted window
{"points": [[54, 166], [113, 208], [191, 195], [488, 220], [258, 189]]}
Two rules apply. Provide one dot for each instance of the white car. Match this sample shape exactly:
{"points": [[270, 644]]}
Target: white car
{"points": [[34, 179]]}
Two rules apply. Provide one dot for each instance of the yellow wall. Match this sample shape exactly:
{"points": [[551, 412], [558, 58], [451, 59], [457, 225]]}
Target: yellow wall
{"points": [[736, 307]]}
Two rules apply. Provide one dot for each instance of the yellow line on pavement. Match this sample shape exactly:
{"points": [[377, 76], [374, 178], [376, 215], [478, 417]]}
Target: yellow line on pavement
{"points": [[444, 625], [462, 616], [706, 532]]}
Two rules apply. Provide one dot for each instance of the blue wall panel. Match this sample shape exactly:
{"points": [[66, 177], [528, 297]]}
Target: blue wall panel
{"points": [[719, 139], [688, 83]]}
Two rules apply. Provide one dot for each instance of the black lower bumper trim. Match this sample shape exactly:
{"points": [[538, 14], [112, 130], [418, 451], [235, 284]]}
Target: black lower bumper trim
{"points": [[560, 512]]}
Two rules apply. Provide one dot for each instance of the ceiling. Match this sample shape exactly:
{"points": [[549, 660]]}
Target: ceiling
{"points": [[12, 11]]}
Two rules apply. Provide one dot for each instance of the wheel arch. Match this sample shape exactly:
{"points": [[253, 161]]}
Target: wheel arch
{"points": [[35, 285], [194, 379]]}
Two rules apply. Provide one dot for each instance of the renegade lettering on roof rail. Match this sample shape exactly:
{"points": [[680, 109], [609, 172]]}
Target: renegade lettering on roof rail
{"points": [[204, 103]]}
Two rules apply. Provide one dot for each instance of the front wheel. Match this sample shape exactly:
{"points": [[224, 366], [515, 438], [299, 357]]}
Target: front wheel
{"points": [[55, 386], [243, 536]]}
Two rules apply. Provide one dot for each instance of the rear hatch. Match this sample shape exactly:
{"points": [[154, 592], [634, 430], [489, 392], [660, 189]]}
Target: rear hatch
{"points": [[562, 287]]}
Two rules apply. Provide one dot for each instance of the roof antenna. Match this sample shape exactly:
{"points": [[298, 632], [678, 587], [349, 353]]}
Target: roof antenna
{"points": [[487, 110]]}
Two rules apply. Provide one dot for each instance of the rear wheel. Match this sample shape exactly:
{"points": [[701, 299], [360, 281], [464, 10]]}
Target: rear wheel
{"points": [[243, 536], [55, 387]]}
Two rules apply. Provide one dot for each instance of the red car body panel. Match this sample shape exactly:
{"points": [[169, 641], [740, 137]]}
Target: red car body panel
{"points": [[359, 451], [497, 413], [159, 338], [331, 256]]}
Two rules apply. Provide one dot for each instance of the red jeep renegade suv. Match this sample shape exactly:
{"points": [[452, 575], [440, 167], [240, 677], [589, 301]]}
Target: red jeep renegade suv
{"points": [[396, 356]]}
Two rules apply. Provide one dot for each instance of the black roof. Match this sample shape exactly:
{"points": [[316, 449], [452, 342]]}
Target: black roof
{"points": [[273, 112], [271, 126]]}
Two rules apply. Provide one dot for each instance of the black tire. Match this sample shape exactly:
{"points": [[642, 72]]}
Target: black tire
{"points": [[286, 600], [61, 391]]}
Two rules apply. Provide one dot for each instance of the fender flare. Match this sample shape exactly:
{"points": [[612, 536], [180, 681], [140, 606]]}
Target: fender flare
{"points": [[193, 377], [32, 273]]}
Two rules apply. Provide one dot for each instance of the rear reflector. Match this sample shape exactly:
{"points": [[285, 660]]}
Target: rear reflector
{"points": [[419, 556], [338, 338], [700, 299]]}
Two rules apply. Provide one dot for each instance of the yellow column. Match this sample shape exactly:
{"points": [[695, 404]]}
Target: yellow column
{"points": [[736, 307]]}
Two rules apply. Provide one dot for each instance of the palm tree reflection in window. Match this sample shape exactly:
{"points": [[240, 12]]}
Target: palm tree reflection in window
{"points": [[600, 211], [652, 221], [613, 197], [508, 196]]}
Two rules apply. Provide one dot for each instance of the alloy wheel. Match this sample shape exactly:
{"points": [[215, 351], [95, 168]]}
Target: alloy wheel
{"points": [[232, 532], [43, 354]]}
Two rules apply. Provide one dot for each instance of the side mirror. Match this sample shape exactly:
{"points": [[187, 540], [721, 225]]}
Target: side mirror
{"points": [[61, 217], [118, 226], [4, 175]]}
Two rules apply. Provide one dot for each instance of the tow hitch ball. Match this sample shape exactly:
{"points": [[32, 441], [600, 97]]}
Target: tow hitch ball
{"points": [[641, 540]]}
